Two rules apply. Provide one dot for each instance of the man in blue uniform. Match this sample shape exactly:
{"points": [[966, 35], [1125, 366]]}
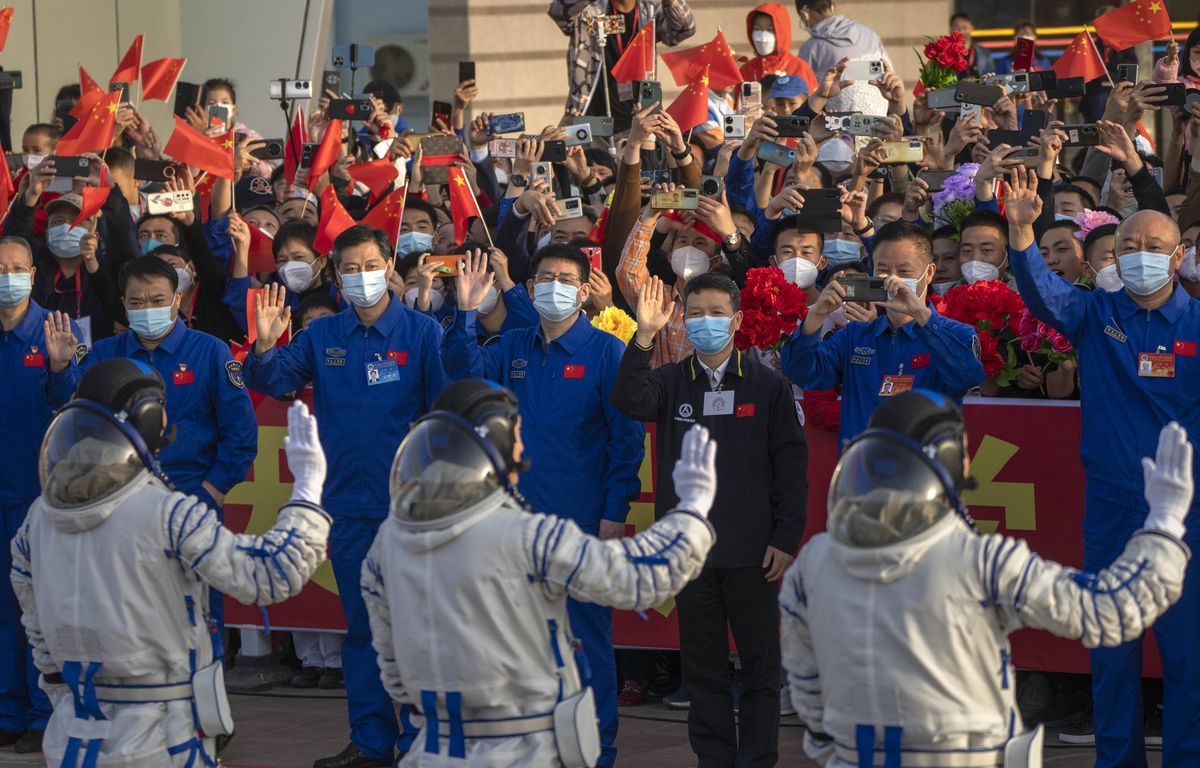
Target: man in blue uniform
{"points": [[28, 394], [584, 453], [910, 346], [374, 368], [1138, 348]]}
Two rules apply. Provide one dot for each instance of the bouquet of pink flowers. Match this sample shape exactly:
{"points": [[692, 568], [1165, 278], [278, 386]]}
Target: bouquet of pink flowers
{"points": [[1037, 338]]}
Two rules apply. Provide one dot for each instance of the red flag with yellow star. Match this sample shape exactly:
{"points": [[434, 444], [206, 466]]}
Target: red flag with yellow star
{"points": [[131, 64], [637, 60], [5, 22], [327, 151], [686, 65], [187, 145], [89, 93], [377, 175], [387, 214], [159, 78], [1080, 59], [94, 131], [1135, 23], [334, 221], [690, 107], [463, 205]]}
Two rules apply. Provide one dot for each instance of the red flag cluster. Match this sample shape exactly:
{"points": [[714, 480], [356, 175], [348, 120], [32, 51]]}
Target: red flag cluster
{"points": [[94, 130], [215, 155], [637, 60], [334, 221], [716, 56], [1128, 25], [1080, 59], [387, 214], [690, 107]]}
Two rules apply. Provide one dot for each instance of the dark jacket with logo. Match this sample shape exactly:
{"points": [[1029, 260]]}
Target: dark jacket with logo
{"points": [[762, 457]]}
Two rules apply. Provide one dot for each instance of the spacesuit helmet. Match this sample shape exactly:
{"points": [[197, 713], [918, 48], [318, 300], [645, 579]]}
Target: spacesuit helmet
{"points": [[457, 455], [108, 433], [902, 474]]}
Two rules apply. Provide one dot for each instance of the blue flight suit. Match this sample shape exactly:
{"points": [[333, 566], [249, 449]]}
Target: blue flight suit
{"points": [[361, 425], [584, 452], [1122, 414], [216, 432], [28, 397], [865, 357]]}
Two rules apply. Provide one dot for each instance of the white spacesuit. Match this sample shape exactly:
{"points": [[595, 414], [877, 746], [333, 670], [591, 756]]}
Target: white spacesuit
{"points": [[481, 645], [112, 571], [895, 622]]}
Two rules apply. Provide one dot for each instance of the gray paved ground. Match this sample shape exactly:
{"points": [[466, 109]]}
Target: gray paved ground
{"points": [[289, 730]]}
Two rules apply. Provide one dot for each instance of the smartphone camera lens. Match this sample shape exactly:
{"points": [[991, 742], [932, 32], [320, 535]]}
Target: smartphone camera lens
{"points": [[709, 187], [169, 172]]}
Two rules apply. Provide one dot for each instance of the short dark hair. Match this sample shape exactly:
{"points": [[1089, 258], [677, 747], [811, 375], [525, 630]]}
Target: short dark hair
{"points": [[174, 224], [420, 205], [278, 174], [961, 15], [360, 234], [313, 301], [901, 231], [817, 6], [947, 232], [14, 240], [221, 82], [145, 268], [385, 92], [1070, 226], [170, 250], [890, 197], [984, 219], [601, 157], [1088, 242], [1077, 190], [119, 159], [714, 281], [296, 229], [69, 91], [792, 223], [1025, 23], [46, 129], [566, 252]]}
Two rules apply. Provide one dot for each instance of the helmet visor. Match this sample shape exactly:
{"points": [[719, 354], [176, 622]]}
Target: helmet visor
{"points": [[86, 457], [441, 468]]}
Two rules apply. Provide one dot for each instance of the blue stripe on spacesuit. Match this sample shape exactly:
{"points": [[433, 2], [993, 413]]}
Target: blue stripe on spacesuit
{"points": [[891, 746], [864, 742], [458, 740], [1024, 578], [429, 709], [87, 707], [658, 557], [578, 563]]}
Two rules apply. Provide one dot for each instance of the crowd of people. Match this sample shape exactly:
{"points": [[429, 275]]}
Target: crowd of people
{"points": [[620, 281]]}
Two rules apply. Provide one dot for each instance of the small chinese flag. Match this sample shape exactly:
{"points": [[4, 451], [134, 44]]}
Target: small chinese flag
{"points": [[88, 84], [89, 93], [574, 371], [687, 65], [690, 107], [131, 64], [463, 205], [377, 175], [327, 152], [334, 221], [261, 257], [159, 78], [297, 137], [1185, 348], [187, 145], [5, 22], [1080, 59], [1135, 23], [637, 60], [387, 214], [93, 200], [93, 132]]}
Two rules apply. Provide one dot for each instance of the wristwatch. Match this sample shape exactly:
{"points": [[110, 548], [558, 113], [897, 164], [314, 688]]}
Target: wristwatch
{"points": [[517, 180], [686, 153], [733, 240]]}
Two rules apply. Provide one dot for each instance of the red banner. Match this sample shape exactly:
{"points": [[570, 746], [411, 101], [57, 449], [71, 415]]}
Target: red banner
{"points": [[1024, 454]]}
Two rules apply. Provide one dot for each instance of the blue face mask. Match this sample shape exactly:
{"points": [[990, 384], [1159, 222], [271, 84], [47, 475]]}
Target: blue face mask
{"points": [[14, 288], [151, 323], [842, 252], [149, 246], [708, 334], [555, 301], [413, 242], [1144, 272]]}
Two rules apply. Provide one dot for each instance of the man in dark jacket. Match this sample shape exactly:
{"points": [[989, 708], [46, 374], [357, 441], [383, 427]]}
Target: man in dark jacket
{"points": [[759, 516]]}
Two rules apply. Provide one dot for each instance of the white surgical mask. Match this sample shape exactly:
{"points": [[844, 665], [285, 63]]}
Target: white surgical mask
{"points": [[799, 271], [764, 42], [413, 242], [296, 276], [1107, 279], [544, 240], [436, 299], [32, 161], [490, 301], [1187, 268], [942, 288], [911, 283], [501, 178], [365, 289], [555, 301], [185, 279], [689, 261], [1144, 272], [978, 271], [63, 240]]}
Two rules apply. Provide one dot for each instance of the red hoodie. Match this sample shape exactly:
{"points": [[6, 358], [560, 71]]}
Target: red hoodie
{"points": [[781, 60]]}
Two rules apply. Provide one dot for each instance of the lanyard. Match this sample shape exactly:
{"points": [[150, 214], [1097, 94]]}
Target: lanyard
{"points": [[630, 32], [191, 315], [78, 289]]}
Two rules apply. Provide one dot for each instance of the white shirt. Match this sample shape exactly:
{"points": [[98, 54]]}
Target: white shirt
{"points": [[715, 377]]}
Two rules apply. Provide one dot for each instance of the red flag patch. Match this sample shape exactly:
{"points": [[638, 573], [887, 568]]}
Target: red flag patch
{"points": [[919, 361], [744, 411], [1185, 348], [401, 358], [183, 377], [574, 371]]}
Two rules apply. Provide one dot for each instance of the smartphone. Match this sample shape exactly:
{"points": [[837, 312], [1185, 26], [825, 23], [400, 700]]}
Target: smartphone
{"points": [[996, 137], [570, 208], [1043, 81], [306, 154], [554, 151], [977, 93], [15, 163], [777, 154], [466, 71], [1157, 173], [935, 179], [1066, 88], [219, 116], [751, 96], [1087, 135], [822, 199], [542, 171], [678, 199], [351, 109], [789, 125], [658, 176], [10, 79], [579, 135], [1176, 94], [447, 266], [1027, 155], [512, 122], [272, 149], [153, 170], [863, 70], [1127, 73], [593, 254], [903, 151], [179, 201], [1023, 54], [1015, 82], [864, 125], [602, 127], [72, 166], [650, 92], [354, 56], [941, 99], [971, 111], [331, 80], [441, 111], [735, 126], [502, 147], [1192, 98], [864, 289], [712, 186], [187, 95]]}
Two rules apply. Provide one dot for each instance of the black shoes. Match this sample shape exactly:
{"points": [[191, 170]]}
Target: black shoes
{"points": [[8, 738], [306, 678], [30, 742], [350, 757], [330, 679]]}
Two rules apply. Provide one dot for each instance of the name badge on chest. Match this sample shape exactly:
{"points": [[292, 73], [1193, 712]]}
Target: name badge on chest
{"points": [[718, 403], [895, 384], [1156, 365], [382, 372]]}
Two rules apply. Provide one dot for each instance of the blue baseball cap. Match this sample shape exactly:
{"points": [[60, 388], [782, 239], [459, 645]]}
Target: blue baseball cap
{"points": [[789, 87]]}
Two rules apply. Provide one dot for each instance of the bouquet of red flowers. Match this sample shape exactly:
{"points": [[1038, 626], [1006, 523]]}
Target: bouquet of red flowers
{"points": [[772, 309], [1037, 338], [994, 311], [945, 58]]}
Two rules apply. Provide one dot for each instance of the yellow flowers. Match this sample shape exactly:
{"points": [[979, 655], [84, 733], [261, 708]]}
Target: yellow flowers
{"points": [[615, 322]]}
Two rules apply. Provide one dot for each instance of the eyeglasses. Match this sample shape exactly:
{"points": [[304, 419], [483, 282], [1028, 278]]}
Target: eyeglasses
{"points": [[566, 278], [14, 271]]}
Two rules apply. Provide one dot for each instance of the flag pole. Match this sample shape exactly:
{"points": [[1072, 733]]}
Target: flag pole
{"points": [[1096, 48]]}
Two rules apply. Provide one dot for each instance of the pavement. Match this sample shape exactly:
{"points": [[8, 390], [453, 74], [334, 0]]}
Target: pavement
{"points": [[284, 728]]}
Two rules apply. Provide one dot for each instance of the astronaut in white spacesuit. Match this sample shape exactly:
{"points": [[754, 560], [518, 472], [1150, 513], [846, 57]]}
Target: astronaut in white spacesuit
{"points": [[895, 622], [112, 570], [481, 647]]}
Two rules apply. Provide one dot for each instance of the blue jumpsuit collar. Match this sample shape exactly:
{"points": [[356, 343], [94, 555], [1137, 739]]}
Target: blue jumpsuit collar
{"points": [[27, 330], [386, 322], [574, 338], [1172, 310]]}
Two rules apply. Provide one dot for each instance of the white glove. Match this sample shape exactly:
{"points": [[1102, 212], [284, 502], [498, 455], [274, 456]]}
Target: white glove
{"points": [[1169, 481], [304, 454], [695, 473]]}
